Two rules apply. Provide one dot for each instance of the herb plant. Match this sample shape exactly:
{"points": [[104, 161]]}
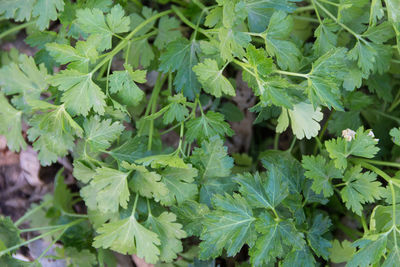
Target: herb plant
{"points": [[109, 80]]}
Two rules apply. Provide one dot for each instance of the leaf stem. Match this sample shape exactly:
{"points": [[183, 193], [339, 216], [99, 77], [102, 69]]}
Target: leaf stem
{"points": [[382, 163], [134, 205], [3, 252], [306, 76], [368, 166], [304, 9], [30, 212], [357, 36], [15, 29], [188, 22]]}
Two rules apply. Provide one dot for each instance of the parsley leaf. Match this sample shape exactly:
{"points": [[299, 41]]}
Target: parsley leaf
{"points": [[93, 21], [363, 145], [360, 188], [321, 173], [304, 120], [207, 126], [80, 92], [212, 80], [129, 236]]}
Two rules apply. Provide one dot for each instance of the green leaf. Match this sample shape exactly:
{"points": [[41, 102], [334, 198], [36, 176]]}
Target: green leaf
{"points": [[380, 33], [317, 241], [325, 78], [83, 171], [321, 173], [168, 31], [259, 12], [23, 78], [180, 184], [277, 44], [9, 233], [62, 195], [93, 21], [360, 188], [181, 56], [84, 53], [146, 183], [232, 43], [229, 226], [363, 145], [344, 120], [160, 161], [122, 82], [11, 126], [169, 233], [263, 190], [212, 159], [52, 134], [304, 120], [277, 235], [206, 126], [99, 134], [326, 39], [129, 236], [372, 247], [109, 187], [341, 251], [395, 134], [212, 80], [80, 92], [45, 11], [365, 55], [83, 258], [19, 10], [302, 257], [191, 214]]}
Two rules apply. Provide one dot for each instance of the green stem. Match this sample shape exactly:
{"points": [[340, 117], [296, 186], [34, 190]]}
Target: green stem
{"points": [[124, 42], [74, 215], [305, 19], [153, 103], [316, 12], [134, 205], [368, 166], [15, 29], [30, 212], [201, 5], [276, 141], [292, 144], [304, 9], [188, 22], [3, 252], [148, 207], [306, 76], [382, 163], [383, 114], [352, 233], [357, 36], [364, 224], [51, 245], [395, 103]]}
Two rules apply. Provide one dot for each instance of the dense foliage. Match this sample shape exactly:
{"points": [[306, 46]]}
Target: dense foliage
{"points": [[109, 79]]}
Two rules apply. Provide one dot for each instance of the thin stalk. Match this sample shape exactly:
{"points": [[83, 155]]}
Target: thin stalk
{"points": [[52, 244], [292, 144], [30, 212], [304, 9], [40, 228], [124, 42], [188, 22], [316, 12], [276, 141], [3, 252], [306, 76], [357, 36], [16, 29], [153, 103], [368, 166], [148, 207], [306, 19], [364, 224], [382, 163], [201, 5], [134, 205]]}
